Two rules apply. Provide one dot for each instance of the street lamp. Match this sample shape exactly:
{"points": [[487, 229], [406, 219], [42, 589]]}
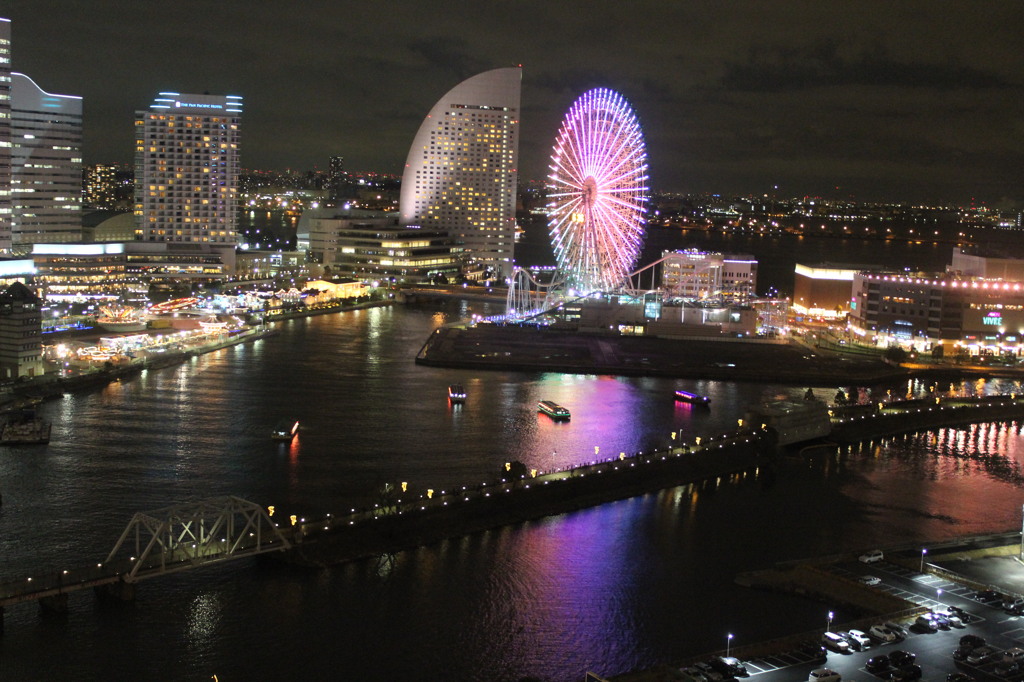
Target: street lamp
{"points": [[939, 597], [923, 552], [728, 641], [829, 625]]}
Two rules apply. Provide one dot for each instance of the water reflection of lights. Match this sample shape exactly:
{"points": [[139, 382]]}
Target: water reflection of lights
{"points": [[203, 618]]}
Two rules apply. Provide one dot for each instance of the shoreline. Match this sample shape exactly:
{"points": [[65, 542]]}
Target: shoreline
{"points": [[26, 394]]}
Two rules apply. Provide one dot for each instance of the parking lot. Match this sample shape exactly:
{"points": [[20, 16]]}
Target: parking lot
{"points": [[933, 651]]}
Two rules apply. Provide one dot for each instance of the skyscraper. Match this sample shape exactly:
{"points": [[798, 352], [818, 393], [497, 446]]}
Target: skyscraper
{"points": [[5, 135], [186, 169], [461, 172], [100, 186], [46, 164]]}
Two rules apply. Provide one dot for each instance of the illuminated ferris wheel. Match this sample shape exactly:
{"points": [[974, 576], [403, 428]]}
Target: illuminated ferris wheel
{"points": [[597, 192]]}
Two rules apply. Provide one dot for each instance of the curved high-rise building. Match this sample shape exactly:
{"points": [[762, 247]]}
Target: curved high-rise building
{"points": [[461, 172]]}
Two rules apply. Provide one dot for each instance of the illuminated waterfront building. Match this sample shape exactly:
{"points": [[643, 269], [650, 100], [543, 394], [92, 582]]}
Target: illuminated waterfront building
{"points": [[372, 245], [461, 172], [824, 289], [694, 274], [46, 165], [186, 170]]}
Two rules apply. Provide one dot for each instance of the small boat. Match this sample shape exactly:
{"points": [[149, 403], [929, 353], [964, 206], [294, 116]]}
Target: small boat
{"points": [[553, 410], [687, 397], [25, 429], [285, 430], [456, 393]]}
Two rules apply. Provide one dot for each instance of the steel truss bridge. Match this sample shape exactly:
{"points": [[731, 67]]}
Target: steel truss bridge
{"points": [[168, 540]]}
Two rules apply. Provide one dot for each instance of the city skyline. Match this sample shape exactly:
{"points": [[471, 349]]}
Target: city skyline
{"points": [[868, 100]]}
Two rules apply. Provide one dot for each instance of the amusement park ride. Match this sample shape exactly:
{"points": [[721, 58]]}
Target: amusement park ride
{"points": [[597, 203]]}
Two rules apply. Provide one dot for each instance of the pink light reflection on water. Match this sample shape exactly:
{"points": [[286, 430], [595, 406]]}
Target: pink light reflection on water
{"points": [[943, 484]]}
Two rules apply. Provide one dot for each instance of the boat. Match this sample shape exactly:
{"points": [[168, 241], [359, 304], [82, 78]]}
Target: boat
{"points": [[456, 393], [694, 398], [285, 430], [553, 410], [25, 429]]}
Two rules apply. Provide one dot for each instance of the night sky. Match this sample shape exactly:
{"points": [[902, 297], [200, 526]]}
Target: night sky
{"points": [[910, 101]]}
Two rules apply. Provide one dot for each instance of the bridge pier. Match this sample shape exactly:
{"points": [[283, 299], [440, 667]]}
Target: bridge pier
{"points": [[57, 603], [119, 591]]}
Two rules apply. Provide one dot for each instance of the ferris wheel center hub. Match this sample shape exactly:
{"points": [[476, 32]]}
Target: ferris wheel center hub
{"points": [[589, 191]]}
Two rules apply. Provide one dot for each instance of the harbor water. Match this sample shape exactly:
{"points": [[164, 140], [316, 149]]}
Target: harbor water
{"points": [[623, 586]]}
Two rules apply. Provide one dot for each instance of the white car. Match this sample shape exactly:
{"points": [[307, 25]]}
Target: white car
{"points": [[872, 556], [860, 637], [880, 633], [870, 580]]}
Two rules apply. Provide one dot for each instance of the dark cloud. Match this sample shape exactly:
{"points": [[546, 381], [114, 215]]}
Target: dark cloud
{"points": [[897, 100], [779, 68]]}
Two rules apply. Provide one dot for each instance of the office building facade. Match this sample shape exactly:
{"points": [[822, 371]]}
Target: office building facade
{"points": [[462, 169], [46, 165], [186, 170], [5, 135]]}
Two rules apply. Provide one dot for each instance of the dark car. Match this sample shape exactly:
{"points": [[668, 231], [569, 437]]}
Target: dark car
{"points": [[959, 677], [897, 629], [962, 652], [972, 640], [813, 650], [900, 658], [1015, 609], [905, 674], [983, 654], [987, 596], [1007, 668], [729, 666], [877, 664], [1010, 602], [941, 621]]}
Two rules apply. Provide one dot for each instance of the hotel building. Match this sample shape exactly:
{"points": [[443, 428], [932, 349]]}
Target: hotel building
{"points": [[5, 135], [186, 170], [461, 173], [46, 165]]}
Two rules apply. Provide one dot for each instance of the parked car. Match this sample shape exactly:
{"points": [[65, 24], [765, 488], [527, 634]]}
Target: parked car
{"points": [[872, 556], [987, 596], [1015, 610], [940, 620], [896, 629], [953, 619], [1010, 602], [926, 623], [899, 658], [1007, 668], [824, 675], [983, 654], [729, 666], [905, 674], [877, 664], [962, 652], [972, 640], [870, 580], [708, 673], [1014, 654], [858, 640], [835, 643], [959, 677], [881, 634], [813, 650]]}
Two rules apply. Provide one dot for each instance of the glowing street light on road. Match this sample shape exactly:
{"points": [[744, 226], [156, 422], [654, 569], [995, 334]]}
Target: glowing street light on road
{"points": [[728, 641], [923, 552]]}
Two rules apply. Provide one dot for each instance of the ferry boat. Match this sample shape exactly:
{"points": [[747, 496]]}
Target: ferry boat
{"points": [[456, 394], [285, 430], [553, 410], [25, 429], [694, 398]]}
